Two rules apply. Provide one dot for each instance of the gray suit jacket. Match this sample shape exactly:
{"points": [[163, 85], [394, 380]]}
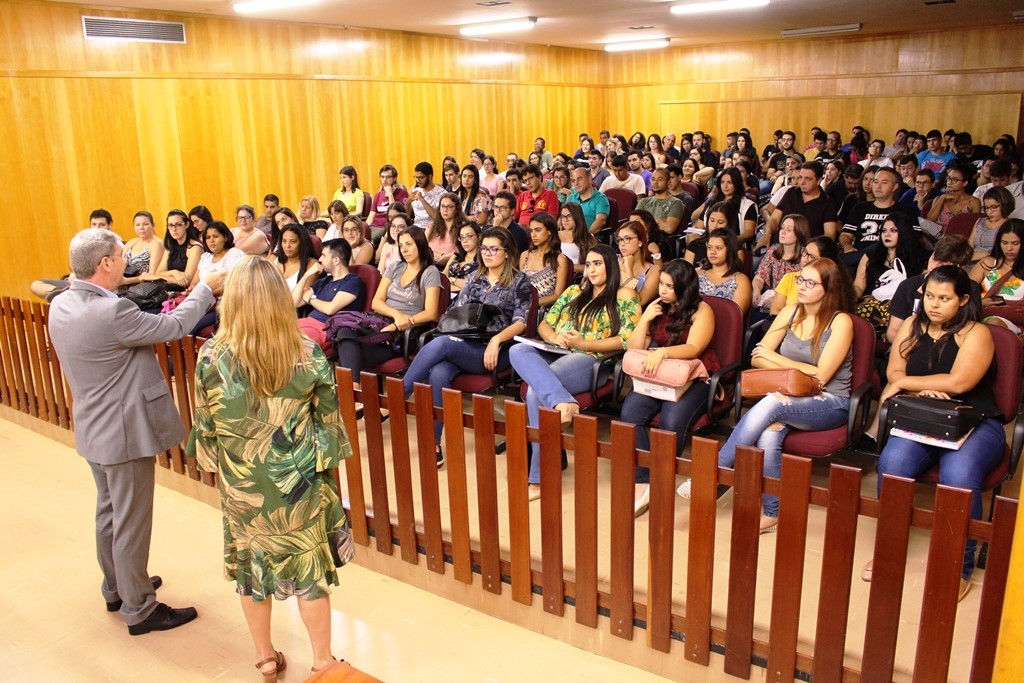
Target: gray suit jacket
{"points": [[123, 408]]}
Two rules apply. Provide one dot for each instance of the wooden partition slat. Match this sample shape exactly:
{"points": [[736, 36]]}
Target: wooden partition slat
{"points": [[162, 359], [12, 354], [997, 570], [788, 582], [423, 402], [518, 505], [184, 400], [39, 379], [746, 516], [890, 562], [8, 391], [661, 538], [458, 493], [622, 528], [941, 584], [487, 493], [50, 381], [552, 560], [836, 573], [381, 521], [700, 571], [61, 390], [354, 464], [190, 347], [585, 501], [22, 325], [401, 460]]}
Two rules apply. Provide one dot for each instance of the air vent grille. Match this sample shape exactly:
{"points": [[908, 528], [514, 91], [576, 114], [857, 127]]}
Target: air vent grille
{"points": [[106, 28]]}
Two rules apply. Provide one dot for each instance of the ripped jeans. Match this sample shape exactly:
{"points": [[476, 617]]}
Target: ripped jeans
{"points": [[758, 428]]}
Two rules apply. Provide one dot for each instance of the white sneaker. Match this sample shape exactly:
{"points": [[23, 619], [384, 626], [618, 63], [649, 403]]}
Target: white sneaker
{"points": [[684, 489]]}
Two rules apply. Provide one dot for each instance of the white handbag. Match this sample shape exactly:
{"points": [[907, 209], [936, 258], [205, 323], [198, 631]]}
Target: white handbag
{"points": [[890, 281]]}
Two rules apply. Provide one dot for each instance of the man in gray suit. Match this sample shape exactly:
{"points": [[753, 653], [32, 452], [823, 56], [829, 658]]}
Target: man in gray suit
{"points": [[123, 415]]}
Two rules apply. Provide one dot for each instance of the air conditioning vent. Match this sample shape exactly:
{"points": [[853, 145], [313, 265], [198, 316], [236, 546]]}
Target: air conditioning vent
{"points": [[106, 28]]}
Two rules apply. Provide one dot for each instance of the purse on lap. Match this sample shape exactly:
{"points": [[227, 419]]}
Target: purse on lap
{"points": [[670, 381], [786, 381], [935, 421]]}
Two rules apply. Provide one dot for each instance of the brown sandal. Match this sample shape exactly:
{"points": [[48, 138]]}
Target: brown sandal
{"points": [[279, 665]]}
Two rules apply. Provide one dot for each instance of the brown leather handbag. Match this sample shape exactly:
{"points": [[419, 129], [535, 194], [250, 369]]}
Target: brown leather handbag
{"points": [[785, 381]]}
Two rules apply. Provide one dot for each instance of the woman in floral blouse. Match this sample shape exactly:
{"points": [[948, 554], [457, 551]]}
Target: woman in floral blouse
{"points": [[589, 321]]}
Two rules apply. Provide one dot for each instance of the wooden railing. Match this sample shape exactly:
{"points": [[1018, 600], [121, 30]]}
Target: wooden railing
{"points": [[32, 383]]}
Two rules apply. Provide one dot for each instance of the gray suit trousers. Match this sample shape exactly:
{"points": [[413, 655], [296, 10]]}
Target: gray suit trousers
{"points": [[124, 525]]}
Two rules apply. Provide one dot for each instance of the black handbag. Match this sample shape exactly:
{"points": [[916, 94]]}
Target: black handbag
{"points": [[147, 295], [468, 321], [938, 418]]}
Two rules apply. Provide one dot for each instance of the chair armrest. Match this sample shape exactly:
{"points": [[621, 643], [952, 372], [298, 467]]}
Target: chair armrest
{"points": [[883, 431], [1017, 445], [595, 372], [716, 380], [415, 335], [857, 421]]}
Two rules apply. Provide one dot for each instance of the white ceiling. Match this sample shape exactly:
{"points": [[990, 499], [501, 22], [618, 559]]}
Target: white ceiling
{"points": [[588, 24]]}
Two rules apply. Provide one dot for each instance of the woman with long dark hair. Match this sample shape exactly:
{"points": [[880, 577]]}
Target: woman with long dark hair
{"points": [[476, 203], [944, 352], [897, 240], [350, 193], [466, 259], [182, 251], [729, 188], [675, 325], [573, 235], [294, 254], [594, 318], [636, 268], [445, 227], [721, 273], [543, 263], [816, 337]]}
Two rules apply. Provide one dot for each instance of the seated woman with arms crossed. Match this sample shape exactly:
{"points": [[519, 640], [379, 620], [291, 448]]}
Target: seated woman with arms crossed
{"points": [[182, 252], [590, 320]]}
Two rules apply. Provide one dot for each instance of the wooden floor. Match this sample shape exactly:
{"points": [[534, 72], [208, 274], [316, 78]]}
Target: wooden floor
{"points": [[54, 627]]}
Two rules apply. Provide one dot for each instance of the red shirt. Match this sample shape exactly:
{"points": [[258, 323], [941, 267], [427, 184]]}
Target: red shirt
{"points": [[527, 205]]}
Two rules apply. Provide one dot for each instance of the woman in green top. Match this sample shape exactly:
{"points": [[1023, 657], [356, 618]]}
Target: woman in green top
{"points": [[589, 320], [268, 425]]}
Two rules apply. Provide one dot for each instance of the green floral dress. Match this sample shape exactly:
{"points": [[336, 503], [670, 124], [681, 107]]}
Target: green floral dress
{"points": [[284, 526]]}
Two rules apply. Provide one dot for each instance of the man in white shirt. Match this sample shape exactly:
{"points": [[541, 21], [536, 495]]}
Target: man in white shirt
{"points": [[622, 178]]}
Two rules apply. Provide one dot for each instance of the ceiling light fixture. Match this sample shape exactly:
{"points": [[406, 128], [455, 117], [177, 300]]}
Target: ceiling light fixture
{"points": [[637, 45], [523, 24], [254, 6], [821, 30], [716, 6]]}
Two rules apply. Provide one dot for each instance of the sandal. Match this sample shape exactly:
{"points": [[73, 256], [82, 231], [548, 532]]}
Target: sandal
{"points": [[279, 665], [315, 670]]}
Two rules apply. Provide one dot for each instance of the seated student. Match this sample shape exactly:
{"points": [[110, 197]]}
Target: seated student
{"points": [[816, 337], [497, 282], [637, 271], [408, 294], [943, 351], [998, 204], [819, 247], [675, 325], [720, 274], [465, 260], [543, 263], [781, 259], [294, 254], [221, 255], [353, 231], [142, 253], [951, 250], [621, 178], [575, 239], [387, 251], [309, 213], [955, 200], [897, 240], [339, 291], [182, 252], [247, 237], [47, 289], [591, 320], [503, 208], [729, 189], [1001, 276]]}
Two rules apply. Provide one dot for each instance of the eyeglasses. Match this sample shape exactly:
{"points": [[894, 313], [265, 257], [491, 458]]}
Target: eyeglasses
{"points": [[470, 236], [448, 206], [491, 251], [802, 281], [502, 207], [243, 218], [387, 177], [626, 239], [351, 229], [954, 179], [992, 207]]}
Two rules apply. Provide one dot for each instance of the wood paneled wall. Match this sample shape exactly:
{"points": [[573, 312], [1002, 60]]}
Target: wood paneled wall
{"points": [[967, 80], [249, 107]]}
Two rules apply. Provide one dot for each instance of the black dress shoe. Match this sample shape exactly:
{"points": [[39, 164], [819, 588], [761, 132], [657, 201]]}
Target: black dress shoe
{"points": [[163, 618], [116, 604]]}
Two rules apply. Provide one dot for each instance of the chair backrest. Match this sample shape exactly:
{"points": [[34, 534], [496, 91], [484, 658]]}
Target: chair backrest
{"points": [[318, 245], [863, 361], [692, 190], [727, 341], [371, 280], [626, 200], [531, 317], [446, 296], [1006, 387], [367, 204], [613, 215], [962, 224]]}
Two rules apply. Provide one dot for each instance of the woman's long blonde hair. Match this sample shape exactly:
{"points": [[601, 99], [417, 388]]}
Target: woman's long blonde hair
{"points": [[258, 325]]}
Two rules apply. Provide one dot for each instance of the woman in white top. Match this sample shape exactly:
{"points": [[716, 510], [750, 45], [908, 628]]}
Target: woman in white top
{"points": [[221, 253], [337, 211], [294, 254], [247, 237]]}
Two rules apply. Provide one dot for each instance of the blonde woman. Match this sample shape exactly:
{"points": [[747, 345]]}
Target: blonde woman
{"points": [[309, 214], [284, 526]]}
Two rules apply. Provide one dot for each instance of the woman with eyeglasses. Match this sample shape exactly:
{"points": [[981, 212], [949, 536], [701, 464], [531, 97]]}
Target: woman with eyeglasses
{"points": [[387, 251], [590, 321], [349, 193], [464, 262], [353, 231], [814, 336], [247, 237], [309, 215], [445, 227], [497, 282], [636, 270], [897, 240], [543, 263], [390, 194], [955, 200], [182, 251], [720, 273], [997, 204], [822, 246], [574, 237], [560, 183]]}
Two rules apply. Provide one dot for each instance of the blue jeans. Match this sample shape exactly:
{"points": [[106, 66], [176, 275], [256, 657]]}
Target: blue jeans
{"points": [[553, 379], [965, 468], [676, 416], [809, 413], [441, 361]]}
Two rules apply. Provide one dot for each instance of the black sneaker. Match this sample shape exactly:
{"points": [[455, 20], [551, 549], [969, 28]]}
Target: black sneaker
{"points": [[440, 456]]}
